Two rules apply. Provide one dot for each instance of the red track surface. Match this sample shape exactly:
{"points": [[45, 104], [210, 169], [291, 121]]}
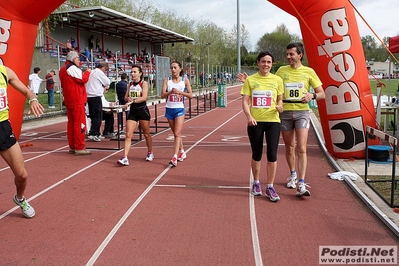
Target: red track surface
{"points": [[90, 211]]}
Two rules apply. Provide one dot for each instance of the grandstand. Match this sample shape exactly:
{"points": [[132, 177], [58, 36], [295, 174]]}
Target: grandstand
{"points": [[124, 40]]}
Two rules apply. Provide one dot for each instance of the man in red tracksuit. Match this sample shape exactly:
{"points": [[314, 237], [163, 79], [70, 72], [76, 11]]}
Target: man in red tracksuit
{"points": [[73, 85]]}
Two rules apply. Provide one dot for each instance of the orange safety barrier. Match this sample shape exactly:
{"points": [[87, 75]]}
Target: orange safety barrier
{"points": [[334, 50], [18, 29]]}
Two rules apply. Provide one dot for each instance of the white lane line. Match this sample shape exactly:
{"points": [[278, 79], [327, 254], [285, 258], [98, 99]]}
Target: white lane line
{"points": [[36, 137], [35, 157], [63, 180], [202, 186], [254, 227], [58, 183], [113, 232]]}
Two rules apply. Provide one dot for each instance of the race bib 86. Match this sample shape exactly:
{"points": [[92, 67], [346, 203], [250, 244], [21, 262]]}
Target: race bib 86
{"points": [[262, 99], [294, 91]]}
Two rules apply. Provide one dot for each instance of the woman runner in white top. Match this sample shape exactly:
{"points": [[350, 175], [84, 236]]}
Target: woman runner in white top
{"points": [[174, 89]]}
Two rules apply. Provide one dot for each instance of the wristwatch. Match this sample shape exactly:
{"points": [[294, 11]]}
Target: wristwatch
{"points": [[314, 95]]}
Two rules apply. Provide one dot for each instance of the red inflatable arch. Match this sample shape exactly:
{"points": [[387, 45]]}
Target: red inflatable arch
{"points": [[18, 30], [334, 50]]}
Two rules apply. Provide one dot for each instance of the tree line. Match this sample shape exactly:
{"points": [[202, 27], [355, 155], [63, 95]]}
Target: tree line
{"points": [[222, 48]]}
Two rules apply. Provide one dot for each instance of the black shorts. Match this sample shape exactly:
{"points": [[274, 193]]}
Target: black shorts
{"points": [[7, 137], [140, 113]]}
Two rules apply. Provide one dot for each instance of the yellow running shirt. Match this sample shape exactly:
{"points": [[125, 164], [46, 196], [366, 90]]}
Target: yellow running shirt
{"points": [[297, 81], [263, 91], [3, 94]]}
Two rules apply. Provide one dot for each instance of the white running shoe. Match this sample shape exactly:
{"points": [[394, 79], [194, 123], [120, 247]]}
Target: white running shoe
{"points": [[94, 138], [26, 209], [302, 191], [291, 181], [182, 156], [173, 161], [123, 161], [149, 157]]}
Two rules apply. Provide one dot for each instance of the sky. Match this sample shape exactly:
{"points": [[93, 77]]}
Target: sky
{"points": [[261, 16]]}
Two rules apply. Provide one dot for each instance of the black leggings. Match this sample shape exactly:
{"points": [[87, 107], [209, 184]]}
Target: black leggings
{"points": [[255, 135]]}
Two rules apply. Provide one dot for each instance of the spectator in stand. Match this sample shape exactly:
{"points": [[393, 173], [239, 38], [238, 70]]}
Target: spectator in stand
{"points": [[50, 88], [98, 44], [146, 56], [96, 87], [121, 88], [10, 150], [73, 43], [68, 46], [108, 54], [87, 54], [35, 80], [73, 85], [91, 42], [140, 59]]}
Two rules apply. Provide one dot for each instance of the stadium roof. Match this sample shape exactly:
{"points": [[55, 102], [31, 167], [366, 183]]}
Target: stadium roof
{"points": [[108, 21]]}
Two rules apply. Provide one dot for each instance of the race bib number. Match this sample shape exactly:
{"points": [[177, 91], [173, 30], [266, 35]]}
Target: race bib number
{"points": [[294, 91], [261, 99], [135, 94], [3, 99], [175, 98]]}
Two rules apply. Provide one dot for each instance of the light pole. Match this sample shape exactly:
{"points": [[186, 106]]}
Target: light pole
{"points": [[207, 45], [238, 38], [116, 68]]}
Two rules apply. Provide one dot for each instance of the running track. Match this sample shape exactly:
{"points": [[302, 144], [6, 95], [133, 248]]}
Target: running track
{"points": [[90, 211]]}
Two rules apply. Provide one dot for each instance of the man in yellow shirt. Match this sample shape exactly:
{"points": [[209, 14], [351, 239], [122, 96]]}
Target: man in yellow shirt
{"points": [[295, 118]]}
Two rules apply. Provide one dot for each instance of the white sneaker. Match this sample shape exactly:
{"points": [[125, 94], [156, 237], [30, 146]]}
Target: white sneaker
{"points": [[94, 138], [302, 191], [291, 181], [173, 161], [123, 161], [27, 210], [51, 107], [182, 156], [150, 157]]}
